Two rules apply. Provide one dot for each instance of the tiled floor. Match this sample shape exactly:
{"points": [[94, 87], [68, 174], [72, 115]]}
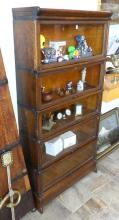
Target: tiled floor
{"points": [[95, 197]]}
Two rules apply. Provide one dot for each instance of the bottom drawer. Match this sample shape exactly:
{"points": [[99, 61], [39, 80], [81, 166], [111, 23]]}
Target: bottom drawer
{"points": [[59, 187], [64, 167]]}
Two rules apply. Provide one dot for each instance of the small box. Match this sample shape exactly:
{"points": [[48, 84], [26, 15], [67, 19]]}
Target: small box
{"points": [[69, 139], [111, 87], [59, 46], [54, 146], [78, 110], [80, 86]]}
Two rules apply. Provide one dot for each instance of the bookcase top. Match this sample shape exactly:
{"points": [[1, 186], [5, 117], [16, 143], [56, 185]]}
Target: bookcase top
{"points": [[38, 13]]}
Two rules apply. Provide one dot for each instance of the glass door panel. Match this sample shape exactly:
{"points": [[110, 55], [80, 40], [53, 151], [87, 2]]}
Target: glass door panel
{"points": [[64, 43]]}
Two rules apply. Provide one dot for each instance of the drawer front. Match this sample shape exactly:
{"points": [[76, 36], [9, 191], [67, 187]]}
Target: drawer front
{"points": [[66, 166], [60, 186]]}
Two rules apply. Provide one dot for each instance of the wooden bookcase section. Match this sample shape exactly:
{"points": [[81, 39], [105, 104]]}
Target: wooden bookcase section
{"points": [[49, 174], [9, 141]]}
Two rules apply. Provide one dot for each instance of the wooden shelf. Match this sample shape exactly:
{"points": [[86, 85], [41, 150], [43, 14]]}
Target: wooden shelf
{"points": [[58, 99], [68, 64], [81, 141], [71, 120]]}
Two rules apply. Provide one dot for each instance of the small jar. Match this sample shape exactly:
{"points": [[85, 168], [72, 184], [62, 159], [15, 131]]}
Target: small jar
{"points": [[47, 96]]}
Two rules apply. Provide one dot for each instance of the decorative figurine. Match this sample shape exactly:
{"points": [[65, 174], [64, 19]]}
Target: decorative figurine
{"points": [[76, 54], [42, 41], [81, 83], [89, 51], [59, 115], [69, 88], [62, 114], [80, 86], [67, 112], [47, 96], [71, 49], [60, 59], [83, 74], [69, 85], [82, 46], [49, 55], [66, 57], [48, 123], [79, 39], [60, 92]]}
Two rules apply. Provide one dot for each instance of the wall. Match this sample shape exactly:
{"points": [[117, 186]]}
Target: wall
{"points": [[111, 5], [6, 30]]}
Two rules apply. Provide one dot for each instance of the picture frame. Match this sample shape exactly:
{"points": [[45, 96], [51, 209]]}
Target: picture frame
{"points": [[113, 44], [108, 135]]}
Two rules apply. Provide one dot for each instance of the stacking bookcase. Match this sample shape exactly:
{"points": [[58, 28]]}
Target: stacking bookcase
{"points": [[60, 64]]}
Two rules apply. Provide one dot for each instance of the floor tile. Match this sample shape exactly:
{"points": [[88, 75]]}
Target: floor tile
{"points": [[94, 197], [114, 155], [95, 205], [54, 210], [71, 199]]}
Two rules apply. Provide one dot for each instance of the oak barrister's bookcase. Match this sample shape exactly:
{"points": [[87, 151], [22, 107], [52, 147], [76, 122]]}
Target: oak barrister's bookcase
{"points": [[39, 121]]}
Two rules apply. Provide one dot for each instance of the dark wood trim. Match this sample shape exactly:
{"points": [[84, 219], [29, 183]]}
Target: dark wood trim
{"points": [[73, 97], [59, 132], [3, 81], [72, 63], [74, 22], [33, 110], [9, 147], [26, 70], [66, 65], [58, 14], [92, 61], [55, 103], [22, 174]]}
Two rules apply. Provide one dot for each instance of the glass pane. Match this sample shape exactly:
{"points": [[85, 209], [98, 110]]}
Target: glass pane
{"points": [[70, 42], [84, 133], [55, 119], [109, 123], [60, 84]]}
